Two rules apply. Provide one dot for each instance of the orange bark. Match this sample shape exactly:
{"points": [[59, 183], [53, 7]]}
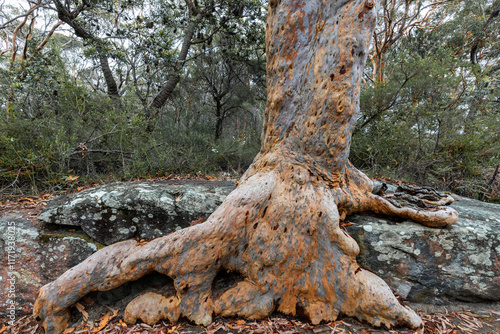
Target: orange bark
{"points": [[279, 229]]}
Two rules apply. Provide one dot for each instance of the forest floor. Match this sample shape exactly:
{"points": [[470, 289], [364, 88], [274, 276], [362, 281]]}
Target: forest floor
{"points": [[481, 321], [460, 318]]}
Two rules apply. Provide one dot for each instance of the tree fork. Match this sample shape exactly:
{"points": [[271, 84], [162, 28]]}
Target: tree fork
{"points": [[279, 229]]}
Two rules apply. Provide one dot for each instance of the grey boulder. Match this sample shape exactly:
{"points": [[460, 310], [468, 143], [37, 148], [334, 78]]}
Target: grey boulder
{"points": [[422, 264], [32, 256], [428, 265], [145, 210]]}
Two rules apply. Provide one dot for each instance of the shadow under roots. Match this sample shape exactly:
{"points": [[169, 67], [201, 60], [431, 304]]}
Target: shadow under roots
{"points": [[223, 281], [99, 302]]}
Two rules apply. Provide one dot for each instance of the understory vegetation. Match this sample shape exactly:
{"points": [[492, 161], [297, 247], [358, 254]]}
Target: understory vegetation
{"points": [[89, 96]]}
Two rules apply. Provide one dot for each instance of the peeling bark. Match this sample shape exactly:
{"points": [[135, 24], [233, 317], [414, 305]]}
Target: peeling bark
{"points": [[279, 229]]}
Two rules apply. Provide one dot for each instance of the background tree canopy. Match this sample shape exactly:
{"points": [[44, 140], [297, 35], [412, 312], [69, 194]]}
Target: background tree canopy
{"points": [[136, 88]]}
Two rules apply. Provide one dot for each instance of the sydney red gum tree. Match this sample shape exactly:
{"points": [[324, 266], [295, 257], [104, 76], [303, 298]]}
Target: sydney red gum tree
{"points": [[279, 229]]}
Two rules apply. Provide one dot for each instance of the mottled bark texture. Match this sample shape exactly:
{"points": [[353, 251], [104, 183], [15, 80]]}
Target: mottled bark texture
{"points": [[279, 229]]}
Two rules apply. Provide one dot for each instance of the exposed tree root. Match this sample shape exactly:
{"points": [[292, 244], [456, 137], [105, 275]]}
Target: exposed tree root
{"points": [[280, 231], [423, 205]]}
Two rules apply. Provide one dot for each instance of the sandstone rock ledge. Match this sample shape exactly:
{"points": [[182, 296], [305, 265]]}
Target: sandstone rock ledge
{"points": [[40, 255], [423, 265], [145, 210], [435, 266]]}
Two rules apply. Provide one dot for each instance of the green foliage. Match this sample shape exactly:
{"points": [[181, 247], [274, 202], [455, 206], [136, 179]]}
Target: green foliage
{"points": [[58, 134], [59, 128], [434, 120], [428, 114]]}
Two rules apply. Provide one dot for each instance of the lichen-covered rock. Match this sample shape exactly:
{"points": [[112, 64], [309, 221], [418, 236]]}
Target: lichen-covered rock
{"points": [[461, 262], [31, 257], [120, 211], [422, 264]]}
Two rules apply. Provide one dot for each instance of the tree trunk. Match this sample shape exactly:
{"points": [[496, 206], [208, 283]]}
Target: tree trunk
{"points": [[495, 12], [219, 116], [70, 18], [169, 86], [108, 76], [279, 229]]}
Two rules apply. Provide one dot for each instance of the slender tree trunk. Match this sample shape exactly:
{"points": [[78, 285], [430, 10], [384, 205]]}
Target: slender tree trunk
{"points": [[169, 86], [218, 128], [219, 115], [279, 229], [108, 77], [11, 96]]}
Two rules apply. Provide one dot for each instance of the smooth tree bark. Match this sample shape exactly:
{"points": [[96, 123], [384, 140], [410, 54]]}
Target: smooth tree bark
{"points": [[279, 229], [11, 41]]}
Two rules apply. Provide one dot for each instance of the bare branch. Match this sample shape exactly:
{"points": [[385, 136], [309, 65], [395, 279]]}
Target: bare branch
{"points": [[31, 10], [14, 37]]}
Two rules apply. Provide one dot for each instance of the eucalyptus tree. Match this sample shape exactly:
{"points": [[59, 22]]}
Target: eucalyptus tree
{"points": [[25, 31], [152, 39], [206, 22], [280, 228], [83, 17]]}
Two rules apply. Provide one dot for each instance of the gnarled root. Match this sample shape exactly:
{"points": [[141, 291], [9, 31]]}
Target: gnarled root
{"points": [[422, 205], [431, 216], [425, 197], [280, 231]]}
